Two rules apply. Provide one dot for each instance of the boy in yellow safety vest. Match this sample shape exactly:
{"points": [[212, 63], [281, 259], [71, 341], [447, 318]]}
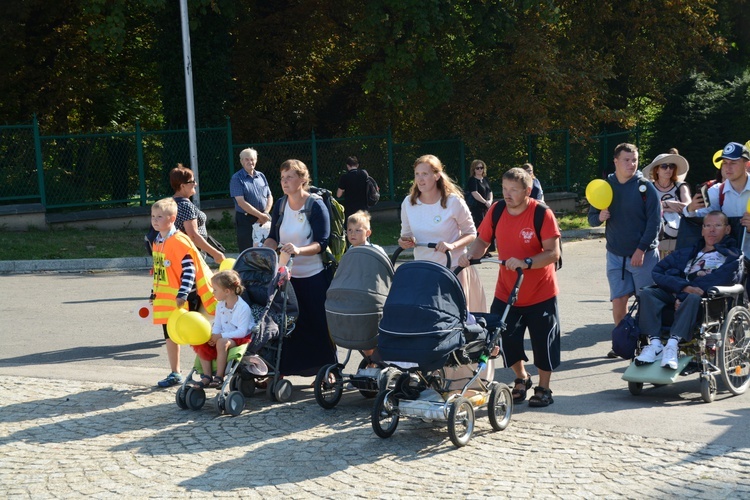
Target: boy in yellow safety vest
{"points": [[181, 278]]}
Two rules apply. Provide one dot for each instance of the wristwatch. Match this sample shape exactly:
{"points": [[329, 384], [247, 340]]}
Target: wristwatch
{"points": [[528, 262]]}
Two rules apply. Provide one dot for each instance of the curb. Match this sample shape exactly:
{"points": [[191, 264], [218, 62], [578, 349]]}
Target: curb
{"points": [[141, 263]]}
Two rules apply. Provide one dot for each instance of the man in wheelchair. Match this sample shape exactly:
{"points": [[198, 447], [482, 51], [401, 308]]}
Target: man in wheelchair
{"points": [[682, 279]]}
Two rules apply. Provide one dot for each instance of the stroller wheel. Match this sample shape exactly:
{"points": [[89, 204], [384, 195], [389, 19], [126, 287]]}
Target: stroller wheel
{"points": [[460, 422], [180, 398], [385, 414], [219, 403], [327, 393], [282, 391], [234, 403], [195, 398], [500, 406], [246, 387]]}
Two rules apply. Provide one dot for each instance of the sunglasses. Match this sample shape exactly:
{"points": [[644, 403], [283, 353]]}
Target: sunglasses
{"points": [[479, 168], [667, 166]]}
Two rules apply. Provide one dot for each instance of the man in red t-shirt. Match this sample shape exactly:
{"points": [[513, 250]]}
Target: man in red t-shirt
{"points": [[536, 307]]}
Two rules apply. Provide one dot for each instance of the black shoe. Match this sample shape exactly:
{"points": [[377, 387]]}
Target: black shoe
{"points": [[519, 395], [542, 397], [612, 354]]}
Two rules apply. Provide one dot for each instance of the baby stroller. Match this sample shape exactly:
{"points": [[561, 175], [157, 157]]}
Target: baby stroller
{"points": [[275, 310], [424, 331], [266, 294], [354, 306]]}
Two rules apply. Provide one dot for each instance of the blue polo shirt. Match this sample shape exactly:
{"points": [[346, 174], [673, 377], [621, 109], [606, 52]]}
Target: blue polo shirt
{"points": [[253, 188]]}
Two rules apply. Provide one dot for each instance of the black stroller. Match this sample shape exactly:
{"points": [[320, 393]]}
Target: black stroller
{"points": [[354, 306], [274, 306], [424, 330]]}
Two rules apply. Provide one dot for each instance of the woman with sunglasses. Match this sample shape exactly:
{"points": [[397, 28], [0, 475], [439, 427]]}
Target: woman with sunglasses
{"points": [[668, 172], [190, 220], [478, 194]]}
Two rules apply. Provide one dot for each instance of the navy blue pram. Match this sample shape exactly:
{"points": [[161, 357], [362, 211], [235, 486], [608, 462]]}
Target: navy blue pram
{"points": [[424, 316]]}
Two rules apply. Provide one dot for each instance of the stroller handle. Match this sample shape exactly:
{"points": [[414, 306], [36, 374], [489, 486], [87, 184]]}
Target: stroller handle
{"points": [[398, 251], [473, 262]]}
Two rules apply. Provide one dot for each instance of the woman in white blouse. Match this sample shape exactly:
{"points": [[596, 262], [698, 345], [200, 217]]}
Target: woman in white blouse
{"points": [[435, 212]]}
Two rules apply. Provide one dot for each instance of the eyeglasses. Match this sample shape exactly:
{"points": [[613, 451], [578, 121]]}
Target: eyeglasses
{"points": [[191, 182], [667, 166], [479, 168]]}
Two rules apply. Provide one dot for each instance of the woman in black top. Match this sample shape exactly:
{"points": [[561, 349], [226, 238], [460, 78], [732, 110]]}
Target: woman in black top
{"points": [[479, 194]]}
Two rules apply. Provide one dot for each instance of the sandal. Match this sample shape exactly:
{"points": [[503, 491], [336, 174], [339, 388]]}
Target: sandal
{"points": [[202, 384], [216, 382], [542, 397], [519, 395]]}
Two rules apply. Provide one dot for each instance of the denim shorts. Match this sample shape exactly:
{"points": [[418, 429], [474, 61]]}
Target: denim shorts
{"points": [[624, 279]]}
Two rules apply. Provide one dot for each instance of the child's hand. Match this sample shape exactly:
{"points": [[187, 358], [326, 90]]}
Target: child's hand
{"points": [[214, 338]]}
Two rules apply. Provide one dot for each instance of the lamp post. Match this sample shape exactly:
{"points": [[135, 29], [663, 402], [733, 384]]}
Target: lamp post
{"points": [[192, 142]]}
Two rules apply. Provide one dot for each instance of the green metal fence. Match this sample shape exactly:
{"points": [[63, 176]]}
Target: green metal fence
{"points": [[131, 168]]}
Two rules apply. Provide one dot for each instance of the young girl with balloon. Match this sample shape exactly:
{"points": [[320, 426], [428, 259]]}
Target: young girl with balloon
{"points": [[231, 327]]}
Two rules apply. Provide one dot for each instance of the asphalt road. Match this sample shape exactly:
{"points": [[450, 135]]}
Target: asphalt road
{"points": [[83, 326]]}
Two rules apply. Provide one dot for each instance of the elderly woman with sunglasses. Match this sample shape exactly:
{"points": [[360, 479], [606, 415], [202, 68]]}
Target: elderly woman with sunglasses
{"points": [[190, 219], [668, 172]]}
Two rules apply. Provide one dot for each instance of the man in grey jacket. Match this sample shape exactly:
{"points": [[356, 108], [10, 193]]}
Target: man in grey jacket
{"points": [[633, 221]]}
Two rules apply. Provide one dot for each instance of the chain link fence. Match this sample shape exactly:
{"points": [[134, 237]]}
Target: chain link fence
{"points": [[127, 169]]}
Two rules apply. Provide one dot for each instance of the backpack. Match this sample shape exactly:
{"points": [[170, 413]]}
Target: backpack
{"points": [[539, 213], [337, 238], [373, 192], [626, 333]]}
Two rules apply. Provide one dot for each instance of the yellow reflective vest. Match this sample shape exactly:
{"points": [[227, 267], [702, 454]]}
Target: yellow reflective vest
{"points": [[168, 276]]}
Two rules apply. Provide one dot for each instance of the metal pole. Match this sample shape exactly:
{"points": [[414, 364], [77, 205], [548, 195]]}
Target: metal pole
{"points": [[189, 96]]}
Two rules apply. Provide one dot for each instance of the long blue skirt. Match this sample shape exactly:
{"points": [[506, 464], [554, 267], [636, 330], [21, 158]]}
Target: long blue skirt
{"points": [[309, 346]]}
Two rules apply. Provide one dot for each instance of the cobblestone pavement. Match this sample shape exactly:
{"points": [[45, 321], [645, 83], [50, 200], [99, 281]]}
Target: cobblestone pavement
{"points": [[66, 439]]}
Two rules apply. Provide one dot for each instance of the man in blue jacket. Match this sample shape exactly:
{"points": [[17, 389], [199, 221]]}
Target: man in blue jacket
{"points": [[682, 278], [633, 221]]}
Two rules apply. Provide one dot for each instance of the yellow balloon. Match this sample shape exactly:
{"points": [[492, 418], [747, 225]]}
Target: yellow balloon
{"points": [[717, 158], [599, 194], [193, 328], [227, 264], [172, 326]]}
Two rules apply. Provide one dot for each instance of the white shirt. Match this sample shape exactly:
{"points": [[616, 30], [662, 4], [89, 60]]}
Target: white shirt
{"points": [[296, 229], [234, 323], [431, 223], [735, 204]]}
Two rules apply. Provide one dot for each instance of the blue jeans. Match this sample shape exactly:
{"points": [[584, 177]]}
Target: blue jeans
{"points": [[654, 300]]}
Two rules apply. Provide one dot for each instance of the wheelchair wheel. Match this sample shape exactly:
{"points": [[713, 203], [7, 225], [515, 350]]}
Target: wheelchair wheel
{"points": [[734, 355], [385, 414], [708, 388], [500, 406], [635, 388], [327, 393], [460, 422]]}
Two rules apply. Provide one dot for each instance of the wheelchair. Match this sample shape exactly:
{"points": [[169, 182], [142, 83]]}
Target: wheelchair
{"points": [[719, 347], [720, 343]]}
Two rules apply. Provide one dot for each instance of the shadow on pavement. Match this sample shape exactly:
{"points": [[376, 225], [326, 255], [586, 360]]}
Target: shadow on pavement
{"points": [[87, 353]]}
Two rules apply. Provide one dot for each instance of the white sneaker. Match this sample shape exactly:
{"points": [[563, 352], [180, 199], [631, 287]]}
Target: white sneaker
{"points": [[648, 355], [669, 359]]}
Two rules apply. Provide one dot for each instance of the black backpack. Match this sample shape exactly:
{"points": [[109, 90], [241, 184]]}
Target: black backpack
{"points": [[539, 213], [373, 191]]}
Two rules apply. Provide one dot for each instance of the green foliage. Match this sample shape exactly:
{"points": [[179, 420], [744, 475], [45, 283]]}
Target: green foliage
{"points": [[702, 115]]}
